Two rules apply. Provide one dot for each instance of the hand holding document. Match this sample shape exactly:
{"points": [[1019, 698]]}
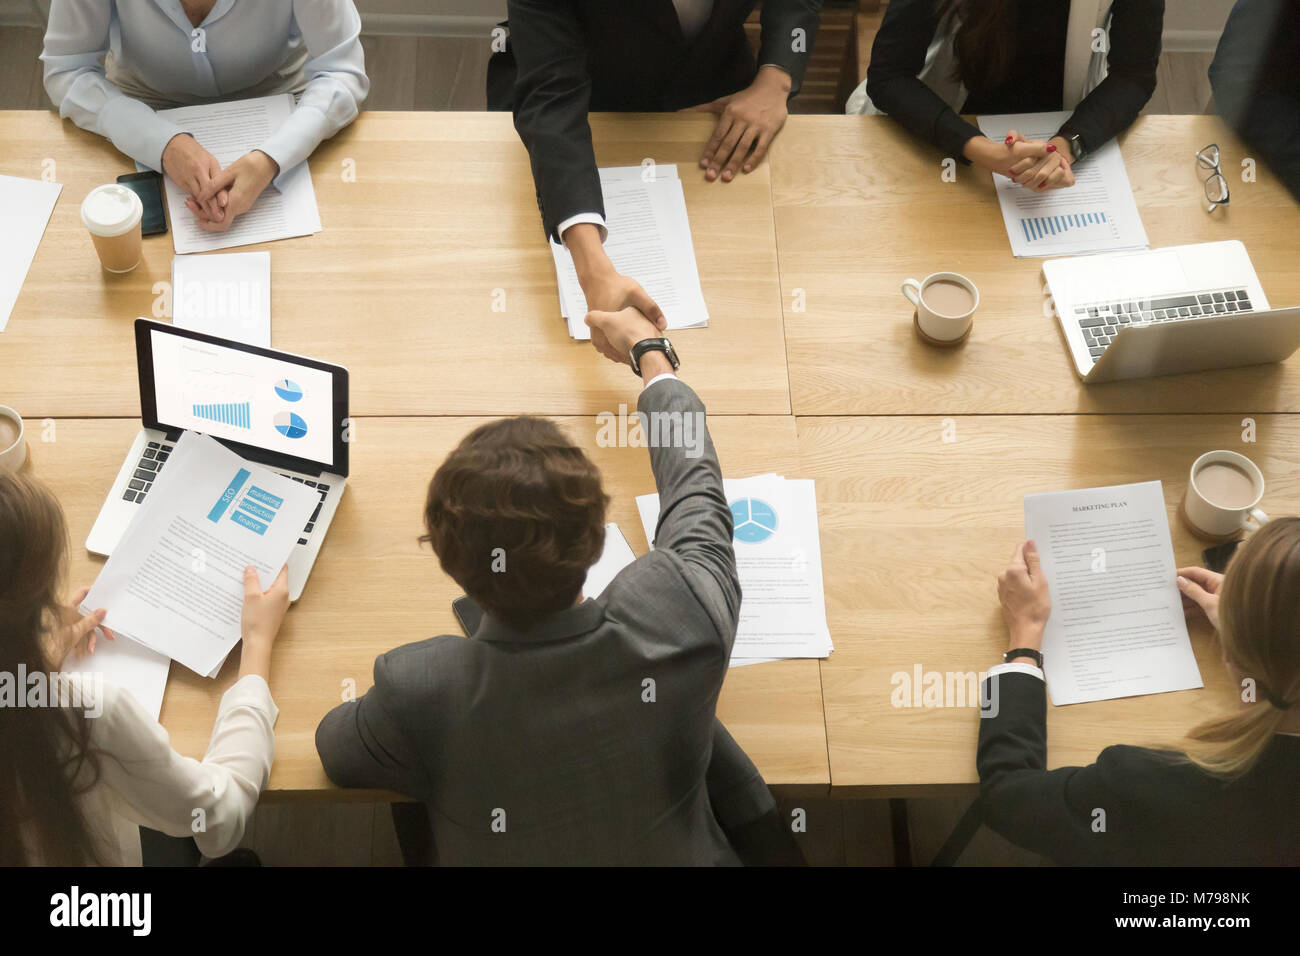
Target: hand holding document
{"points": [[649, 241], [1096, 214], [175, 582], [228, 131], [778, 559], [27, 205], [227, 295], [1117, 627]]}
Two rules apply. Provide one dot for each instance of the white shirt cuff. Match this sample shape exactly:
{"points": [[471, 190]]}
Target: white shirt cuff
{"points": [[1016, 667], [658, 378], [594, 218]]}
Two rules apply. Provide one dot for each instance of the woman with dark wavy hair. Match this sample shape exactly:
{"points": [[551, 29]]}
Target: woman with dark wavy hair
{"points": [[82, 766]]}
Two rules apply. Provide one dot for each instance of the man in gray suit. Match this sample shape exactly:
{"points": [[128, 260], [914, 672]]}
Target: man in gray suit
{"points": [[570, 730]]}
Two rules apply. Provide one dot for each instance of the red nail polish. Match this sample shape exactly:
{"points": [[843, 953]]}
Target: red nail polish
{"points": [[1010, 140], [1051, 148]]}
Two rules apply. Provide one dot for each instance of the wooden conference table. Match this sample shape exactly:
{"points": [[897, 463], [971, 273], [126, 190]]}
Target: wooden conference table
{"points": [[400, 285]]}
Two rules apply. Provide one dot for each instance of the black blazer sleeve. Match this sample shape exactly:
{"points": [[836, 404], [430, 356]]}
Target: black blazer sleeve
{"points": [[1051, 812], [894, 83], [1111, 108], [778, 21], [552, 94]]}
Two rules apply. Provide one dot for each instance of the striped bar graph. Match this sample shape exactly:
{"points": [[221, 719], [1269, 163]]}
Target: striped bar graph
{"points": [[227, 413], [1044, 227]]}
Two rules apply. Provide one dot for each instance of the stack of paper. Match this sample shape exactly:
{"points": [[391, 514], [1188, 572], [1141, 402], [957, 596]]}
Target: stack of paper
{"points": [[1096, 214], [779, 561], [228, 131], [25, 207], [1117, 627], [175, 582], [224, 294], [649, 241]]}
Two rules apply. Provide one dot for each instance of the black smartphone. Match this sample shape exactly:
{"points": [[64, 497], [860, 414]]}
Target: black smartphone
{"points": [[149, 187], [468, 613], [1217, 557]]}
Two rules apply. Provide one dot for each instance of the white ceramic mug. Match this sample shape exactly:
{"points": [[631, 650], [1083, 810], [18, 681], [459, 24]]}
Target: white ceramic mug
{"points": [[936, 325], [13, 456], [1215, 520]]}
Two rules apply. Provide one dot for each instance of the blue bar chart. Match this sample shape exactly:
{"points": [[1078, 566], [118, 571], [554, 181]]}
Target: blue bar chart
{"points": [[1045, 227], [227, 413]]}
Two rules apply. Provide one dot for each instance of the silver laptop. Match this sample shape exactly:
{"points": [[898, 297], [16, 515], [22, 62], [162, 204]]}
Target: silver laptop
{"points": [[280, 410], [1160, 312]]}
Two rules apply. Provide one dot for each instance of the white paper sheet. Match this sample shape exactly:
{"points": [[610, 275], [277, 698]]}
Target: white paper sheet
{"points": [[649, 241], [226, 294], [175, 582], [1096, 214], [1117, 627], [228, 131], [616, 555], [778, 559], [133, 667], [25, 208]]}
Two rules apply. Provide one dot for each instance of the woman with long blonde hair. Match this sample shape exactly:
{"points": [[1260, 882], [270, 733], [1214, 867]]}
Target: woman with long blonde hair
{"points": [[1227, 796]]}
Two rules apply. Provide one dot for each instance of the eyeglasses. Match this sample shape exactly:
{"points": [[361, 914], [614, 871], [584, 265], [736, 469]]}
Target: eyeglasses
{"points": [[1216, 187]]}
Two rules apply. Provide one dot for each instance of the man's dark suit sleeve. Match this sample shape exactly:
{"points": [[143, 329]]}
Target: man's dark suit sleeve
{"points": [[552, 95], [361, 743], [777, 41], [695, 523], [1051, 812]]}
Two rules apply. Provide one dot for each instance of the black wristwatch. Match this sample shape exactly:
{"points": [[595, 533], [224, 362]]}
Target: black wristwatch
{"points": [[653, 345], [1076, 147], [1023, 652]]}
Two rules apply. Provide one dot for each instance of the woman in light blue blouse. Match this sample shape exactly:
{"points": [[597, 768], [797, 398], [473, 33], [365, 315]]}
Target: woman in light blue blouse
{"points": [[162, 53]]}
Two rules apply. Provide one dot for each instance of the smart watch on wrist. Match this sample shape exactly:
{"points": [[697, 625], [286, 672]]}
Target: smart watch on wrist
{"points": [[659, 344], [1029, 652]]}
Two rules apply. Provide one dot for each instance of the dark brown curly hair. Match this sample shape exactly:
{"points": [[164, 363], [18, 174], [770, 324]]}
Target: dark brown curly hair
{"points": [[516, 515]]}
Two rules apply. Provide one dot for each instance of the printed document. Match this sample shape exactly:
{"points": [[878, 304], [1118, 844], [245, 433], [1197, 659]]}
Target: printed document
{"points": [[27, 205], [175, 582], [1096, 214], [1117, 627], [225, 294], [139, 671]]}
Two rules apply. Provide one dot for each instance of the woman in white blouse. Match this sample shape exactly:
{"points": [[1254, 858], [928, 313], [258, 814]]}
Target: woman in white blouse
{"points": [[78, 780], [163, 53]]}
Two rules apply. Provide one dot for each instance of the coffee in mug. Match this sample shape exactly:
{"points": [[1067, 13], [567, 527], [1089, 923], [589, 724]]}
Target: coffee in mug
{"points": [[112, 215], [945, 303], [1223, 490], [13, 448]]}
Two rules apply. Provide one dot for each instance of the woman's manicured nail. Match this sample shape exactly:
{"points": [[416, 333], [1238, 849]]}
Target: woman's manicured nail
{"points": [[1051, 148]]}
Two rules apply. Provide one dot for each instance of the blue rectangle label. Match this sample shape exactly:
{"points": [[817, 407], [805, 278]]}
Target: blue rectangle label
{"points": [[266, 514], [238, 517], [265, 497], [228, 495]]}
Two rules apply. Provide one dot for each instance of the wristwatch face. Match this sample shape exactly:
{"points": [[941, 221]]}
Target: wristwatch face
{"points": [[653, 345]]}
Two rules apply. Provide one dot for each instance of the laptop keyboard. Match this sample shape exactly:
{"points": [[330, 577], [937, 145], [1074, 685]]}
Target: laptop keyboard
{"points": [[156, 455], [1102, 321]]}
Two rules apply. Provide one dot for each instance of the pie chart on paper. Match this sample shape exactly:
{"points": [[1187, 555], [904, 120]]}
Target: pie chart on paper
{"points": [[754, 519], [290, 425]]}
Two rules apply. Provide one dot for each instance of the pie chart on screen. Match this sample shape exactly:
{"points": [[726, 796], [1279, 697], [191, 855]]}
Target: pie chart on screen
{"points": [[289, 391], [754, 520], [290, 425]]}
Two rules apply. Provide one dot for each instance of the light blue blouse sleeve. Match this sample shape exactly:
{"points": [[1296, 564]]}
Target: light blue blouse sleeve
{"points": [[75, 41], [337, 82]]}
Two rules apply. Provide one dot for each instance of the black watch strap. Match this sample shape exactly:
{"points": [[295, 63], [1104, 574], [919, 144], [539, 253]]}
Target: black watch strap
{"points": [[1010, 655], [658, 344]]}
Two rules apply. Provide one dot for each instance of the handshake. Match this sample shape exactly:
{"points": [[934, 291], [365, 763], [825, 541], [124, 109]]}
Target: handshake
{"points": [[614, 333]]}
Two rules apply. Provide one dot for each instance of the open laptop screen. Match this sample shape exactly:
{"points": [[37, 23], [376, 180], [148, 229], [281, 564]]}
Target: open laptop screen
{"points": [[271, 406]]}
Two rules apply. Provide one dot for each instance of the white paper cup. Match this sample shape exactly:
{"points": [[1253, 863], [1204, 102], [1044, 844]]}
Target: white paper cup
{"points": [[14, 453], [935, 326], [112, 214], [1211, 520]]}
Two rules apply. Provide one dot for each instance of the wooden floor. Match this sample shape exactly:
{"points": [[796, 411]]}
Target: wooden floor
{"points": [[435, 73]]}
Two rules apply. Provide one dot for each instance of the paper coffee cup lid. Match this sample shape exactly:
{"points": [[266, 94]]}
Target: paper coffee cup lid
{"points": [[111, 210]]}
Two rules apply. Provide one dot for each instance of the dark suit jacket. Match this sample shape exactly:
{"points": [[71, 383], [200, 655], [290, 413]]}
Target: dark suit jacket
{"points": [[547, 734], [1158, 811], [572, 56]]}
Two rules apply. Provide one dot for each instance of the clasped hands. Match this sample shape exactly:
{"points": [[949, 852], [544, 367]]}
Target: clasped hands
{"points": [[217, 196], [1036, 164]]}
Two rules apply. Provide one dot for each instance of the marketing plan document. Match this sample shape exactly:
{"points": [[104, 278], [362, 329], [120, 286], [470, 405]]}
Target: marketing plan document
{"points": [[175, 582], [649, 240], [1096, 214], [25, 207], [778, 560], [1117, 627], [228, 131]]}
